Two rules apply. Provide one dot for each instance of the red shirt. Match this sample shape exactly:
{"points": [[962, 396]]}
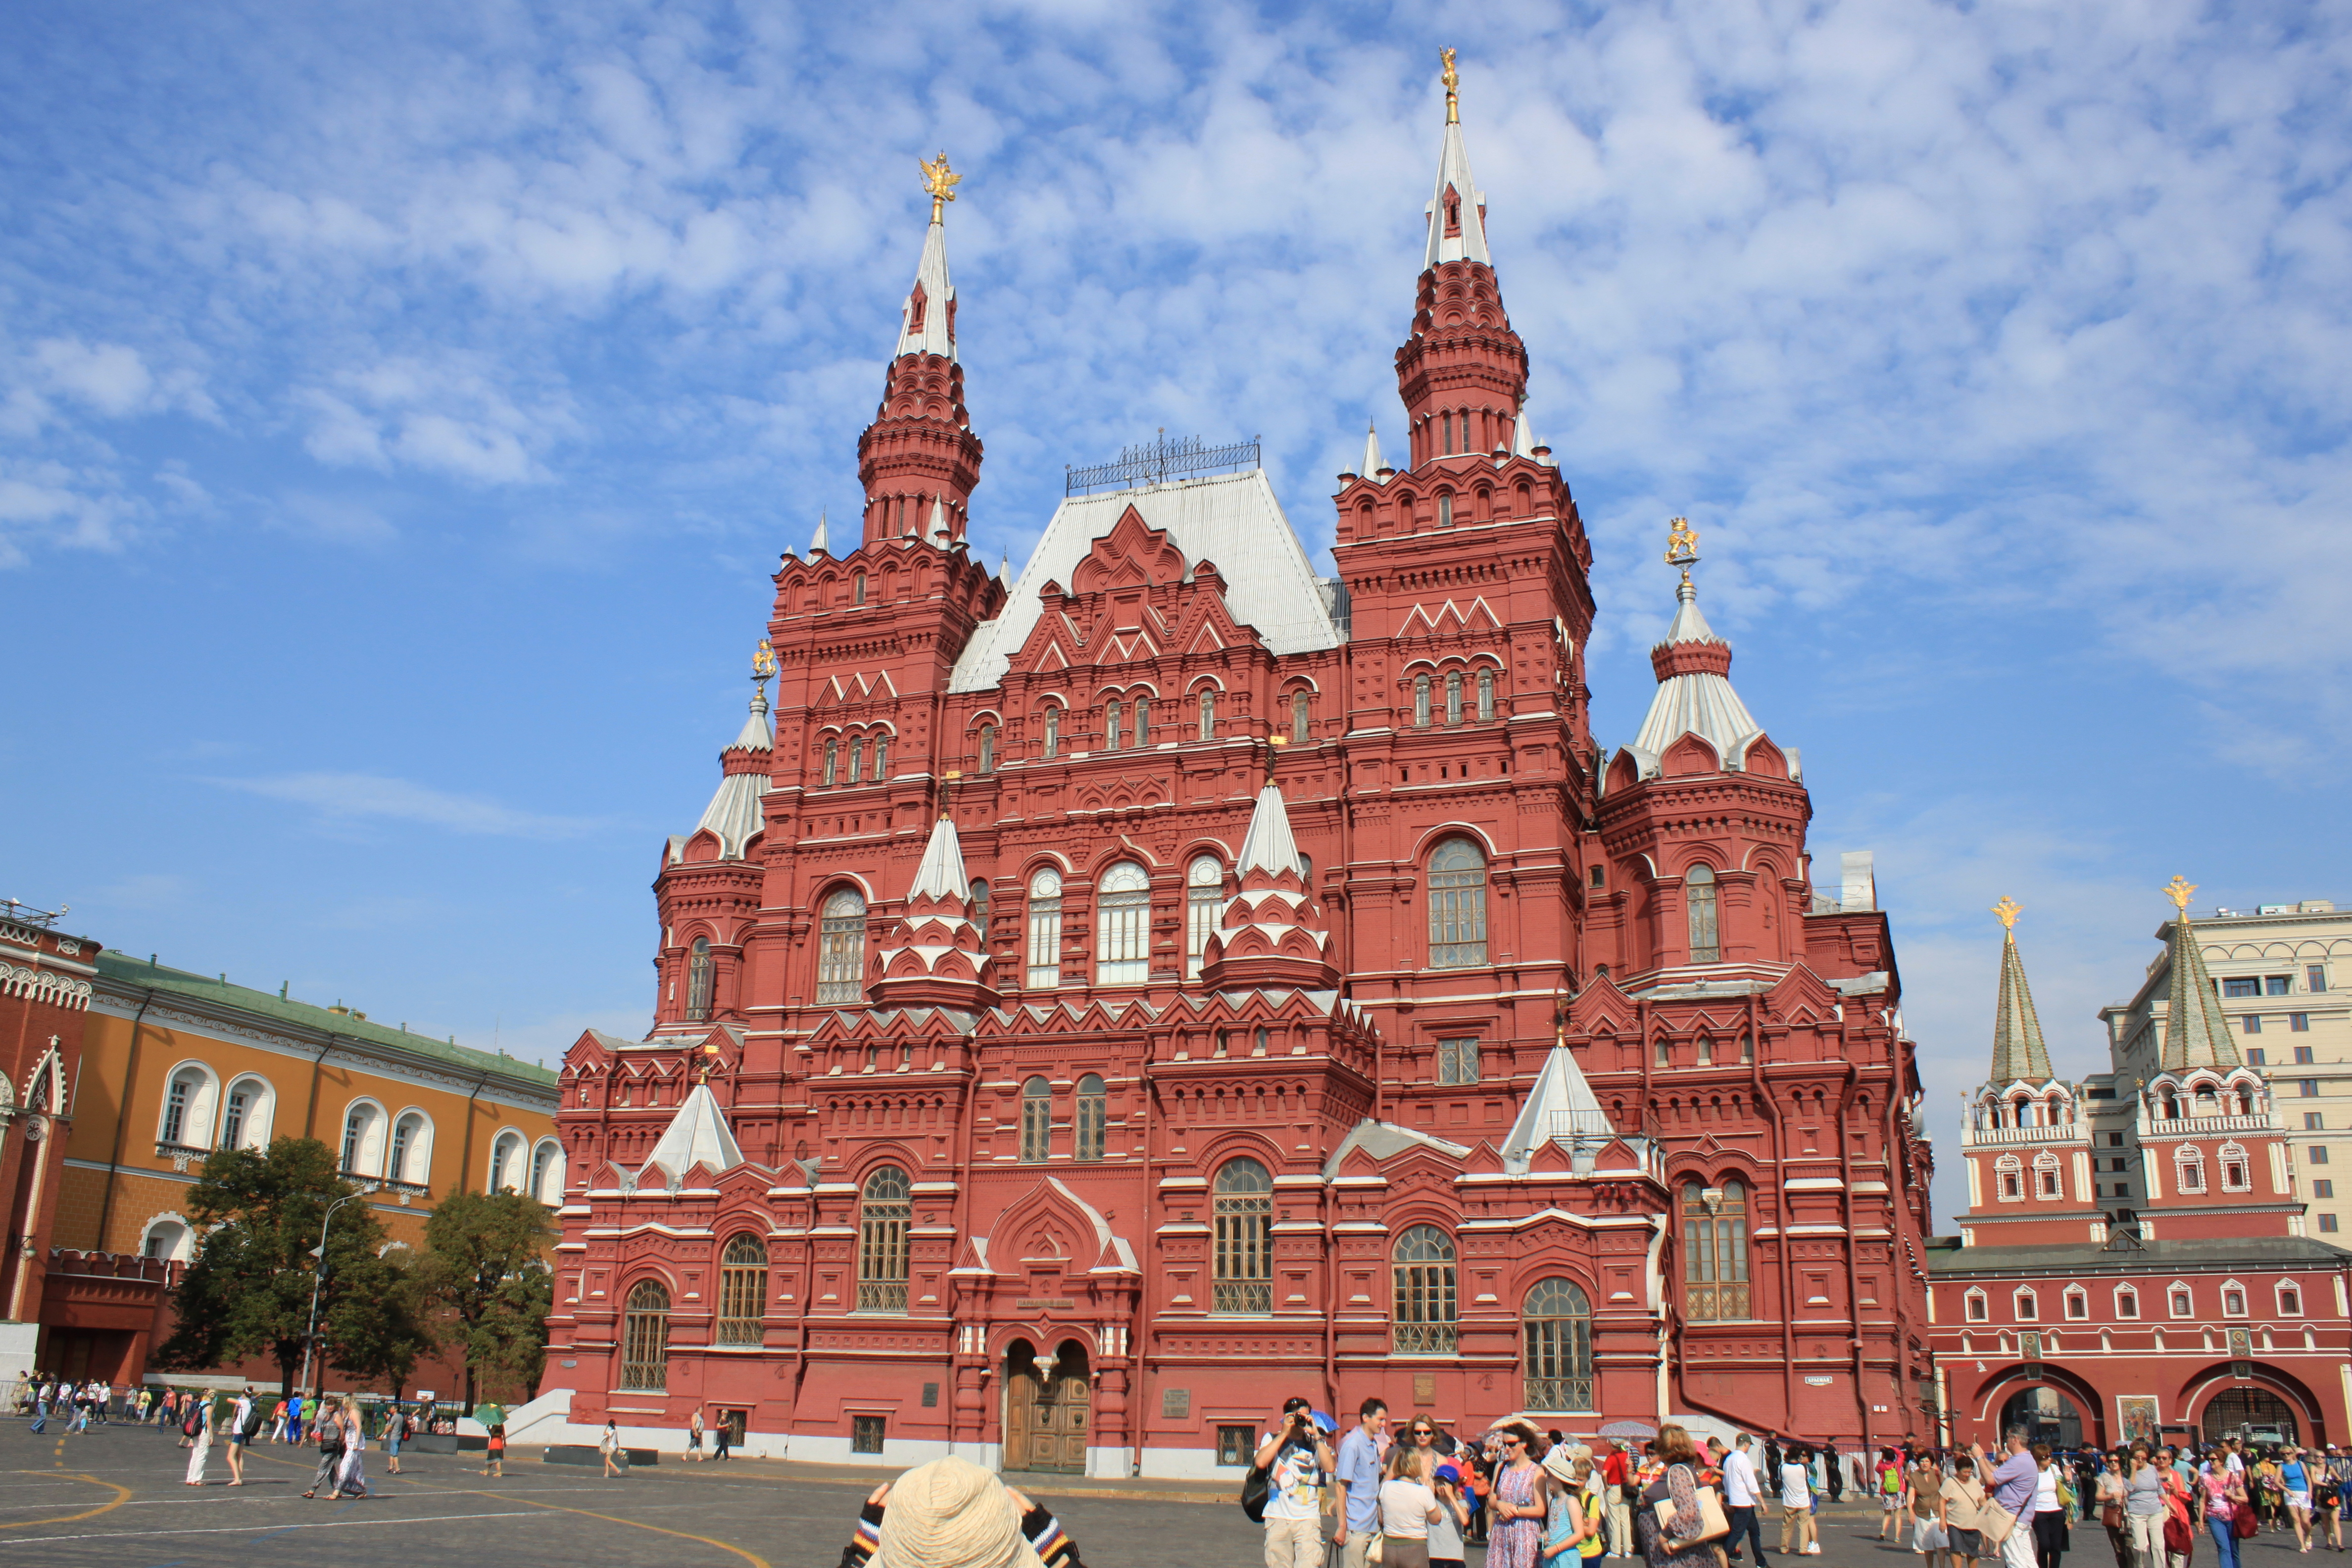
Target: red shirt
{"points": [[1612, 1468]]}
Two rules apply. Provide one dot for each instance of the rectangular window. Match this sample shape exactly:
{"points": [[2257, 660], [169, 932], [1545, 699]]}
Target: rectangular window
{"points": [[2317, 1153], [2253, 1022], [2290, 1302], [1599, 877], [2115, 1140], [1037, 1128], [1457, 1061], [2299, 1024], [2256, 1056], [2278, 984], [2126, 1303], [2247, 986], [2323, 1188], [2026, 1309], [866, 1434], [2078, 1305], [1976, 1308], [2327, 1225], [2182, 1307], [1110, 727], [1144, 721], [1234, 1445], [1201, 906], [1123, 938], [2308, 1088], [2302, 1054], [1298, 729], [1045, 943], [2315, 978]]}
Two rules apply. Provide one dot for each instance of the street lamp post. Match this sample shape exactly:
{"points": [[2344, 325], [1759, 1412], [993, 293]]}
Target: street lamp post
{"points": [[318, 1278]]}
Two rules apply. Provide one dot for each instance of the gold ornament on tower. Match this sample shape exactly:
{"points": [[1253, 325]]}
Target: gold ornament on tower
{"points": [[763, 660], [2178, 890], [1452, 80], [2008, 909], [1681, 546], [941, 182]]}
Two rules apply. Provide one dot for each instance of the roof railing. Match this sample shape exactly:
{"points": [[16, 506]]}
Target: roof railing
{"points": [[1158, 460]]}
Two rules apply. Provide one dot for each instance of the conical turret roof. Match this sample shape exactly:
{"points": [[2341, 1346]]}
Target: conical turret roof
{"points": [[696, 1135], [2018, 1051], [1457, 212], [2196, 1033], [1373, 461], [941, 873], [927, 324]]}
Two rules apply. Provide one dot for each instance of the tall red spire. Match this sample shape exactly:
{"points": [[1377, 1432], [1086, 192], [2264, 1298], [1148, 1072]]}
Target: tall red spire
{"points": [[920, 453], [1464, 372]]}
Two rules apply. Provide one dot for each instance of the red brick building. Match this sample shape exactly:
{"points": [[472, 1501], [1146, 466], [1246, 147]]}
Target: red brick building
{"points": [[2133, 1259], [1103, 1002]]}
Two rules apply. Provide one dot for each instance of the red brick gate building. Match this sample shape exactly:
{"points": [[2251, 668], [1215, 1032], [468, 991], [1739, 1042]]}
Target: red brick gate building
{"points": [[1095, 1006]]}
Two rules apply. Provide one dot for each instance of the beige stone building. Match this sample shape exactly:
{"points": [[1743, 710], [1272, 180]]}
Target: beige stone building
{"points": [[2284, 974]]}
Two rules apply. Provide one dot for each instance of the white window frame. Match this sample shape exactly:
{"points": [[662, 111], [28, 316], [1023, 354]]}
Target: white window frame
{"points": [[2025, 1305], [1976, 1307], [1123, 926], [2232, 1287], [2172, 1294], [1043, 915], [1205, 895], [2126, 1303]]}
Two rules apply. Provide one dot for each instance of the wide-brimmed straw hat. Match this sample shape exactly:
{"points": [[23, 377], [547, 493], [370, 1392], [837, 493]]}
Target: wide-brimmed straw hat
{"points": [[950, 1513]]}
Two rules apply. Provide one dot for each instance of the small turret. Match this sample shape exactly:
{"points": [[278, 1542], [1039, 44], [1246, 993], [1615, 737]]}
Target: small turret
{"points": [[1271, 932], [932, 957]]}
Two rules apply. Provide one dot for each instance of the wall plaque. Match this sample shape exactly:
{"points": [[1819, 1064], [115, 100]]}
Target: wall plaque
{"points": [[1424, 1388], [1039, 1304], [930, 1395], [1175, 1404]]}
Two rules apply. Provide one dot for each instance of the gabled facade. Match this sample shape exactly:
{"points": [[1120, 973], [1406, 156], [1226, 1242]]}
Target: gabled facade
{"points": [[1172, 978]]}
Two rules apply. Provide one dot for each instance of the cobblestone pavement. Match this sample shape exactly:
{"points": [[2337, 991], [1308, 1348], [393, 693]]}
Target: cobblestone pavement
{"points": [[115, 1497]]}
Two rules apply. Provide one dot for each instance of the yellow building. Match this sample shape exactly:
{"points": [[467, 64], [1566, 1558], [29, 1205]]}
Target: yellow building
{"points": [[175, 1065]]}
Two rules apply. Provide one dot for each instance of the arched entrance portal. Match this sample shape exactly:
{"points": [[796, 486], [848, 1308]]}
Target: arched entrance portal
{"points": [[2254, 1414], [2047, 1415], [1048, 1409]]}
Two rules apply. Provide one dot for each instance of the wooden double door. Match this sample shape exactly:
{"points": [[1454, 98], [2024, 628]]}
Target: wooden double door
{"points": [[1048, 1410]]}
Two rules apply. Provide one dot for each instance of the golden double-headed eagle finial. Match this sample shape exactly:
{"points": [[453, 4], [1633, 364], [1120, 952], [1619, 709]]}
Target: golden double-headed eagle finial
{"points": [[1682, 545], [940, 181], [763, 660], [2008, 909], [2179, 891], [1452, 80]]}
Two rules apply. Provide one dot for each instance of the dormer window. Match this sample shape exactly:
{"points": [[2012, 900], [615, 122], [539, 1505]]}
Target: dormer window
{"points": [[1453, 213], [916, 302], [1698, 903]]}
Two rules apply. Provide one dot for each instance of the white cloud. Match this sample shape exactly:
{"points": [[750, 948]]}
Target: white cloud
{"points": [[342, 797]]}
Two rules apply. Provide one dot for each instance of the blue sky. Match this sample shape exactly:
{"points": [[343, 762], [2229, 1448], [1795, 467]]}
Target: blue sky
{"points": [[402, 407]]}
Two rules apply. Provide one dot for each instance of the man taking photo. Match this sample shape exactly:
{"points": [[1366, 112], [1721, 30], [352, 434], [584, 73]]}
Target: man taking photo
{"points": [[1296, 1458]]}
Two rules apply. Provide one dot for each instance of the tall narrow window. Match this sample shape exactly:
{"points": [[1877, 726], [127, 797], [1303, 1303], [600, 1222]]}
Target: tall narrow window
{"points": [[698, 980], [881, 758], [1453, 697], [176, 1108], [1698, 903], [980, 907], [1053, 733], [1093, 1111], [1298, 717], [988, 748], [1423, 1270], [233, 1120], [856, 758], [1457, 906], [743, 1290], [1714, 1253], [831, 763], [1557, 1322], [841, 949], [858, 583], [1243, 1273], [1485, 696], [1204, 886], [1208, 715], [1144, 721], [1045, 930], [1445, 511], [397, 1166], [1110, 726], [1123, 926], [542, 1165], [1446, 424], [644, 1338], [1036, 1121], [360, 1143], [1421, 703], [885, 1209]]}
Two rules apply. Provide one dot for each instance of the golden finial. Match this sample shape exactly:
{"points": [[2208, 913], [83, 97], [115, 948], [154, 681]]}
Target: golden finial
{"points": [[763, 660], [1452, 80], [1681, 546], [2008, 909], [941, 182], [2179, 891]]}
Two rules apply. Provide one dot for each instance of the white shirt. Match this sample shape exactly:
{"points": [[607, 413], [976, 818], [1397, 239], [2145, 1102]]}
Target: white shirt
{"points": [[1740, 1484], [1796, 1486], [2237, 1463]]}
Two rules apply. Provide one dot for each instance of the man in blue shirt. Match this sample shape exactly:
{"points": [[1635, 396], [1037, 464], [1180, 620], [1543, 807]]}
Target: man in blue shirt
{"points": [[1358, 1474], [2012, 1483]]}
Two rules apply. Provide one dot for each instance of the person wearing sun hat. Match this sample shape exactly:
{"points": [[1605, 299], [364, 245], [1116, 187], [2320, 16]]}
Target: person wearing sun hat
{"points": [[950, 1513]]}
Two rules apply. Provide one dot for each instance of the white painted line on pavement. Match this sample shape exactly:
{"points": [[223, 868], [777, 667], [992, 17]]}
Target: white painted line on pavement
{"points": [[258, 1528]]}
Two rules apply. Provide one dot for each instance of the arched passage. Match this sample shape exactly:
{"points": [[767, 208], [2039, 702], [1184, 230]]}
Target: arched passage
{"points": [[1048, 1408], [2047, 1415]]}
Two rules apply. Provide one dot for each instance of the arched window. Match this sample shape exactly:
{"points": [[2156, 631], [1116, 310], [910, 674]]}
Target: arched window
{"points": [[1209, 715], [1144, 721], [2078, 1304], [1053, 732], [979, 906], [1123, 926], [841, 949], [856, 758], [246, 1114], [1457, 905], [412, 1149], [1045, 930], [506, 1163], [2188, 1171], [1036, 1120], [698, 980], [547, 1172], [857, 583], [832, 763], [1423, 1268], [1445, 508], [187, 1110], [1714, 1242], [2025, 1306], [2009, 1177], [1979, 1307], [885, 1209], [1421, 703], [644, 1338], [361, 1140], [169, 1240], [1243, 1276], [1110, 726], [1298, 716], [2126, 1302], [1557, 1323], [1485, 696], [988, 748], [1204, 886], [1093, 1112], [2237, 1171], [1698, 903], [881, 758], [1445, 420], [1453, 697], [743, 1290]]}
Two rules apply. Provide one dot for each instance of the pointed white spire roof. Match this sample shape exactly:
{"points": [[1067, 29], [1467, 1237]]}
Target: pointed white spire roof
{"points": [[1004, 569], [938, 519], [1373, 461], [696, 1135], [818, 545], [924, 326], [756, 735], [1457, 213], [1523, 440], [941, 874], [1697, 701], [1269, 846], [1561, 1105]]}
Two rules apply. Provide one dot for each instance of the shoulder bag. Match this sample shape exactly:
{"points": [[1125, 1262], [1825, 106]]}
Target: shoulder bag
{"points": [[1996, 1522], [1714, 1524]]}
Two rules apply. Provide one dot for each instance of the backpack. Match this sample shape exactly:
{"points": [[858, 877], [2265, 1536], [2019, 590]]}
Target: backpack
{"points": [[1255, 1487], [1890, 1481], [194, 1423]]}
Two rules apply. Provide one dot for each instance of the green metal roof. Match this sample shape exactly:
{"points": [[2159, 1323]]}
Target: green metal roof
{"points": [[1946, 1256], [121, 972]]}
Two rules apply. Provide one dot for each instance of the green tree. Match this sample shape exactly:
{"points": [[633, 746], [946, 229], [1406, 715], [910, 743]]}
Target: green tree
{"points": [[383, 1322], [247, 1292], [486, 1261]]}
